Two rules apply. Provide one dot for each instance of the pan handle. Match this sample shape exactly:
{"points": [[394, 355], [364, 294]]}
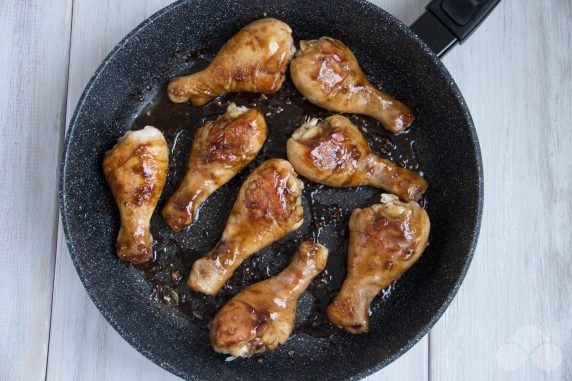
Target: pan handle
{"points": [[448, 22]]}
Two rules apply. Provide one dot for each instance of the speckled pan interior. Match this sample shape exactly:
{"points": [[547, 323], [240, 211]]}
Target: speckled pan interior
{"points": [[442, 143]]}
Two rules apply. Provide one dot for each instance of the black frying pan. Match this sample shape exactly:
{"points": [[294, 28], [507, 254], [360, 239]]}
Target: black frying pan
{"points": [[141, 303]]}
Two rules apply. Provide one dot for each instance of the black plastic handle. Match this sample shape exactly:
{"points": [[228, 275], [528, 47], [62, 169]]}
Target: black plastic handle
{"points": [[448, 22]]}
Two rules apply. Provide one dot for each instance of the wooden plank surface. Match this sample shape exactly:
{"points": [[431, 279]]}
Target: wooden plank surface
{"points": [[516, 75], [512, 318], [33, 82]]}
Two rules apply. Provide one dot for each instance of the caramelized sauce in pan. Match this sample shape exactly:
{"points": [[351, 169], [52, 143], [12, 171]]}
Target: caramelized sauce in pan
{"points": [[326, 215]]}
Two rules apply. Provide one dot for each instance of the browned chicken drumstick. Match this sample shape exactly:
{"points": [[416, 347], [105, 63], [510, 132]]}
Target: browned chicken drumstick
{"points": [[253, 60], [262, 316], [385, 241], [335, 153], [221, 149], [327, 73], [136, 170], [268, 207]]}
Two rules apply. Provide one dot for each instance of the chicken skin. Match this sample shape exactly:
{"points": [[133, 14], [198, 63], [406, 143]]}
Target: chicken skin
{"points": [[221, 149], [136, 170], [335, 153], [386, 239], [253, 60], [262, 316], [268, 207], [327, 73]]}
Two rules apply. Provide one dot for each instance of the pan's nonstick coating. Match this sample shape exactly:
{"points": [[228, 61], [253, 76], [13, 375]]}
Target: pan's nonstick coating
{"points": [[131, 81]]}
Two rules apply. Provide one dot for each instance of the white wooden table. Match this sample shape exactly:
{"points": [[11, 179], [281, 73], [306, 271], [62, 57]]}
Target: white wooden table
{"points": [[512, 319]]}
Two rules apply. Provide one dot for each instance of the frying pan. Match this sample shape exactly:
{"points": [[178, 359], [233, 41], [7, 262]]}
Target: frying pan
{"points": [[141, 303]]}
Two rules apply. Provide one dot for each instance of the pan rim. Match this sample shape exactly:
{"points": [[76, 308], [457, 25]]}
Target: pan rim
{"points": [[360, 374]]}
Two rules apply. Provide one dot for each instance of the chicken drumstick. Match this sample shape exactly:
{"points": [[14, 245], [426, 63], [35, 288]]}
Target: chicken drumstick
{"points": [[253, 60], [335, 153], [136, 170], [268, 207], [327, 73], [262, 316], [221, 149], [385, 241]]}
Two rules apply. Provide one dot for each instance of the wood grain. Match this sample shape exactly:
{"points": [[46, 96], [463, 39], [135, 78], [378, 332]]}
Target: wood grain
{"points": [[516, 75], [33, 81]]}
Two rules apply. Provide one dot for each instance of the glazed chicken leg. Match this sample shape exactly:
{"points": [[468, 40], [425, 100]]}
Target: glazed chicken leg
{"points": [[327, 73], [335, 153], [220, 150], [136, 170], [268, 207], [385, 241], [253, 60], [262, 316]]}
